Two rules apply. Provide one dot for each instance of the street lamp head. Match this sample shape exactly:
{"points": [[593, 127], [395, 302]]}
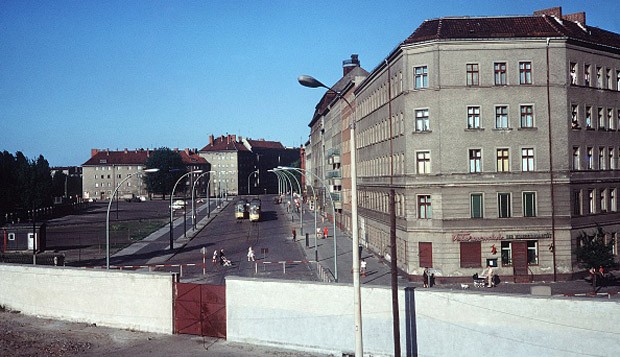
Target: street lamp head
{"points": [[148, 171], [309, 81], [197, 171]]}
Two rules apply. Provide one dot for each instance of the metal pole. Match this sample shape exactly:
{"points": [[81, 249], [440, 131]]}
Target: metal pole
{"points": [[172, 198]]}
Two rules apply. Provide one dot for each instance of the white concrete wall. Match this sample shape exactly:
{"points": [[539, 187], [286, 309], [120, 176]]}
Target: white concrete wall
{"points": [[319, 317], [127, 300]]}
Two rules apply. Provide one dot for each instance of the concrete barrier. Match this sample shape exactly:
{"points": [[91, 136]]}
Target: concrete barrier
{"points": [[318, 317], [127, 300]]}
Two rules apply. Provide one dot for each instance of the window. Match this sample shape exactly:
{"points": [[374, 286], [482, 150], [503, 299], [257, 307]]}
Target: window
{"points": [[477, 205], [423, 160], [602, 200], [577, 203], [503, 160], [501, 117], [506, 253], [610, 119], [586, 75], [471, 254], [611, 153], [525, 72], [601, 158], [473, 77], [475, 160], [613, 204], [574, 116], [421, 77], [527, 116], [424, 207], [601, 118], [618, 80], [573, 73], [529, 204], [590, 158], [610, 83], [503, 205], [527, 159], [599, 77], [421, 120], [591, 203], [588, 117], [500, 74], [532, 252], [576, 158], [473, 117]]}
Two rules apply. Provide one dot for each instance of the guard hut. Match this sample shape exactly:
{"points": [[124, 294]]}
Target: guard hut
{"points": [[20, 237]]}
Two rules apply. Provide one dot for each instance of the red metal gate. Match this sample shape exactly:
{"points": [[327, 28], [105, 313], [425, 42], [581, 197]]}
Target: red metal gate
{"points": [[519, 262], [200, 309]]}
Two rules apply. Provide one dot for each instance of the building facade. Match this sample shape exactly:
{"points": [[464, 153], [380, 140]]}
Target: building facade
{"points": [[106, 169], [502, 146]]}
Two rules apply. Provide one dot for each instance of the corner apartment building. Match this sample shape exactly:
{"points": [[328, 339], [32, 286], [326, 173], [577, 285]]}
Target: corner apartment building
{"points": [[501, 138], [328, 155], [106, 169]]}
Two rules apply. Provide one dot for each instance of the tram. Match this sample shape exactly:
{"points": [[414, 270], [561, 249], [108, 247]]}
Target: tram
{"points": [[255, 210], [241, 209]]}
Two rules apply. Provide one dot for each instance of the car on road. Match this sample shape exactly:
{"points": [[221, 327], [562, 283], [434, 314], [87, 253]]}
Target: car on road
{"points": [[178, 204]]}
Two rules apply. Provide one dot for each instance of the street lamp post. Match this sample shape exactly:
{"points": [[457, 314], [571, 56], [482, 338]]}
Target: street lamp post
{"points": [[301, 207], [333, 213], [193, 191], [107, 217], [255, 172], [172, 198], [309, 81]]}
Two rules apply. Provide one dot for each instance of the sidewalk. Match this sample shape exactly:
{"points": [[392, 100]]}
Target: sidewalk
{"points": [[378, 271]]}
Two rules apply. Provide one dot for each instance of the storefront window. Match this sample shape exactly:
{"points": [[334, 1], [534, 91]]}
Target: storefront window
{"points": [[532, 252], [506, 253]]}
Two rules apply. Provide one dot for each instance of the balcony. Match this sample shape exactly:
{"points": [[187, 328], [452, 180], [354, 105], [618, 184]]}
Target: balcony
{"points": [[333, 174]]}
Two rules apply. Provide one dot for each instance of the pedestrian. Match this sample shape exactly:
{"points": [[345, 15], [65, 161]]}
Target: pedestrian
{"points": [[215, 258], [222, 257], [294, 234], [363, 268], [425, 277], [325, 232], [251, 254]]}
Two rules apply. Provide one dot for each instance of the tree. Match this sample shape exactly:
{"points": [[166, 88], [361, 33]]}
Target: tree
{"points": [[171, 167], [593, 250]]}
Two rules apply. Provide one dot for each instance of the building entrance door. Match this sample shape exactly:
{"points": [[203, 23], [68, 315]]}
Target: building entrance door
{"points": [[519, 262]]}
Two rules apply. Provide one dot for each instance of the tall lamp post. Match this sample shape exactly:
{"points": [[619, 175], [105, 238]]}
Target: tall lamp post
{"points": [[107, 217], [193, 194], [255, 172], [301, 207], [311, 82], [172, 198], [303, 171]]}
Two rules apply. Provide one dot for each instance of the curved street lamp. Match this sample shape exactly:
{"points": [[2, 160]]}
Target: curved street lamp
{"points": [[107, 217], [255, 172], [315, 209], [301, 206], [311, 82], [172, 198], [193, 191]]}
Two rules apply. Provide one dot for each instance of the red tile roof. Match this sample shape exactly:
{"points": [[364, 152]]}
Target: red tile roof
{"points": [[265, 144], [225, 143], [511, 27], [137, 157]]}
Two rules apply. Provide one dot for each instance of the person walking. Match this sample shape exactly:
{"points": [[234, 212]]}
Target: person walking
{"points": [[215, 258], [251, 256], [325, 232], [294, 234], [363, 268], [425, 277]]}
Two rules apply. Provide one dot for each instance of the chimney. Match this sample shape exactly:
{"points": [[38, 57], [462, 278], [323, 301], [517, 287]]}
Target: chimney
{"points": [[187, 151], [93, 152], [350, 64], [126, 151], [234, 138], [211, 139], [576, 17], [553, 11], [148, 153]]}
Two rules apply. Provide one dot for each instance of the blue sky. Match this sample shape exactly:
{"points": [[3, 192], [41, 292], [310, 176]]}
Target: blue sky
{"points": [[76, 75]]}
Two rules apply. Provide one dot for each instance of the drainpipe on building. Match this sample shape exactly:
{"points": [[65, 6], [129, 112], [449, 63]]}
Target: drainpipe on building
{"points": [[551, 182]]}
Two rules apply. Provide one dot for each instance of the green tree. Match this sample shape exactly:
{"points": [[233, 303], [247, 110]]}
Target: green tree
{"points": [[593, 250], [171, 167]]}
